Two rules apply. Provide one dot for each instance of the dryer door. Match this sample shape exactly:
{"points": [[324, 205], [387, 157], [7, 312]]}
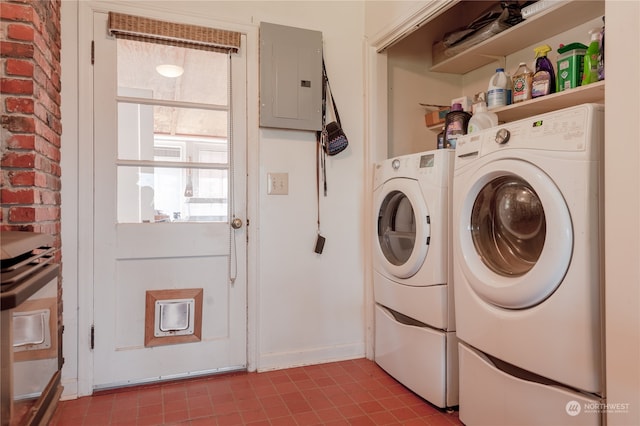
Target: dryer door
{"points": [[403, 227], [516, 236]]}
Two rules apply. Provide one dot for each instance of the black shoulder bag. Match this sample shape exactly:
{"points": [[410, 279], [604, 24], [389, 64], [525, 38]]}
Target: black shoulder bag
{"points": [[334, 139]]}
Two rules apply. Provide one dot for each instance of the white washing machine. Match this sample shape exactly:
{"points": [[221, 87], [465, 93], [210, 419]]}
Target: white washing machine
{"points": [[527, 241], [414, 317]]}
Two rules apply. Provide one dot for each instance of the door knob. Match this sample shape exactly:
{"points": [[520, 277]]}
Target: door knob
{"points": [[236, 223]]}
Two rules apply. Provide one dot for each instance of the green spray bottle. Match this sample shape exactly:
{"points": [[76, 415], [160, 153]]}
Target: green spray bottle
{"points": [[590, 71]]}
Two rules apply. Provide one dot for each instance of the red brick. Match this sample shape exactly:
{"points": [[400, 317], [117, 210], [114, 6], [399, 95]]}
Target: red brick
{"points": [[47, 165], [22, 178], [17, 86], [16, 12], [20, 32], [47, 94], [39, 76], [42, 62], [47, 103], [47, 213], [19, 67], [20, 196], [56, 170], [31, 116], [19, 160], [22, 214], [18, 124], [21, 141], [47, 149], [46, 132], [43, 47], [43, 181], [11, 49], [50, 197], [19, 105]]}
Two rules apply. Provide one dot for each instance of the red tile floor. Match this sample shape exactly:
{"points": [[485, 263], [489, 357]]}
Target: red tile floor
{"points": [[355, 392]]}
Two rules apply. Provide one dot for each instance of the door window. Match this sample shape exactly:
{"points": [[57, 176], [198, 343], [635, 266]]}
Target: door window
{"points": [[508, 226], [173, 139]]}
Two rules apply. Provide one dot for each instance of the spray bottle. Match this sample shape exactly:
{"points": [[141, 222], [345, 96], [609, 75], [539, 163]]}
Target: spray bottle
{"points": [[544, 78], [590, 73]]}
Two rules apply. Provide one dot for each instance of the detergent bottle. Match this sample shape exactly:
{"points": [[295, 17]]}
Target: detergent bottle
{"points": [[590, 72], [481, 118], [544, 78], [455, 125], [522, 83], [498, 92]]}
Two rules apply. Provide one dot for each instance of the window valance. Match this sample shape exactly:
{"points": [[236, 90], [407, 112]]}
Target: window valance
{"points": [[172, 34]]}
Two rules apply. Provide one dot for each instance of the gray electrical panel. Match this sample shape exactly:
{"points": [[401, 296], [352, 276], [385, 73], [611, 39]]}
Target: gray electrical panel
{"points": [[290, 77]]}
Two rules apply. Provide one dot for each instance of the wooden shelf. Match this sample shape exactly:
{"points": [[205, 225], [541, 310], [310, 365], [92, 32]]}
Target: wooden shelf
{"points": [[552, 21], [593, 93]]}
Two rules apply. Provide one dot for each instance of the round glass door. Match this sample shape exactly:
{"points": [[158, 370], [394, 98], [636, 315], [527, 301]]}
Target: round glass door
{"points": [[403, 229], [508, 226], [397, 228], [515, 236]]}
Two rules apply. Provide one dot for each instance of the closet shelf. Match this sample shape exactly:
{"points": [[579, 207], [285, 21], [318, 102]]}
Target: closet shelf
{"points": [[552, 21], [592, 93]]}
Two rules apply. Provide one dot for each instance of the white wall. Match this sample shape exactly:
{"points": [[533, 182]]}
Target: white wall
{"points": [[622, 210], [304, 308]]}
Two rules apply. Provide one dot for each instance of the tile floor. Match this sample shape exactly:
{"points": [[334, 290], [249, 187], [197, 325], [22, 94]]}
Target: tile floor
{"points": [[355, 392]]}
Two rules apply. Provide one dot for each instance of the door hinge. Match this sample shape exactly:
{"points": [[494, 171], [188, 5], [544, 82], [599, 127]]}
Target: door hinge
{"points": [[93, 336], [93, 52]]}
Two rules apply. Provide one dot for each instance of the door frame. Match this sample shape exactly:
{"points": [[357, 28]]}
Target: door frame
{"points": [[83, 169]]}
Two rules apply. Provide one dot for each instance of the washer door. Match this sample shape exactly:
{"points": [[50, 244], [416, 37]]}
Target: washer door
{"points": [[403, 227], [516, 236]]}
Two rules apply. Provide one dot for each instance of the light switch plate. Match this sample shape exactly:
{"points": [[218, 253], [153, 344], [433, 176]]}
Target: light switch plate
{"points": [[277, 183]]}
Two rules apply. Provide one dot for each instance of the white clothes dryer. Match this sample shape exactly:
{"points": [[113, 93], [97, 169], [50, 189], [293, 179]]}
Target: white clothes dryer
{"points": [[527, 238], [415, 331]]}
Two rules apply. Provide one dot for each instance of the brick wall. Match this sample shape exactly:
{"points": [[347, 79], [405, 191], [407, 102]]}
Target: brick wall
{"points": [[31, 128]]}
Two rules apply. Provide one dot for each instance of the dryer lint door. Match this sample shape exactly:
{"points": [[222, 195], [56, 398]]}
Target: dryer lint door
{"points": [[516, 236], [403, 227]]}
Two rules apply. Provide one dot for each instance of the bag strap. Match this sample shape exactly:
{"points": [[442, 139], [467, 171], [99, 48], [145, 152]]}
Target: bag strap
{"points": [[321, 137], [333, 102]]}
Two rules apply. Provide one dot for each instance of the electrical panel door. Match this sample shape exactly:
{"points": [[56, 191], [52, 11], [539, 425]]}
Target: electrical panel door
{"points": [[290, 77]]}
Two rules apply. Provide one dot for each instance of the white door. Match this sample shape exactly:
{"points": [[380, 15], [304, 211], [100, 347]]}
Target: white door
{"points": [[170, 180]]}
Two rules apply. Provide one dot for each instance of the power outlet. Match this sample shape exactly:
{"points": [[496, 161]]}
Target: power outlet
{"points": [[277, 183]]}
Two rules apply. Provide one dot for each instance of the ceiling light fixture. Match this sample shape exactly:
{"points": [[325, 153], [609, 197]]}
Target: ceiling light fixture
{"points": [[170, 71]]}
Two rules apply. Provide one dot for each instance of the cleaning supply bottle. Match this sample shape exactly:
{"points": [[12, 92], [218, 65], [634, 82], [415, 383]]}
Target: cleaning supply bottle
{"points": [[440, 140], [601, 56], [481, 118], [590, 72], [522, 83], [498, 91], [544, 79], [455, 125]]}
